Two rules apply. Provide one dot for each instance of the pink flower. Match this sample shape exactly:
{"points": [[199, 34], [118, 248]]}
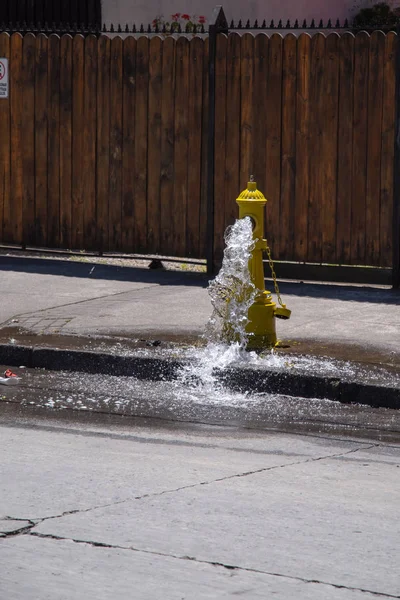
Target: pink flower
{"points": [[186, 17], [176, 16], [202, 20]]}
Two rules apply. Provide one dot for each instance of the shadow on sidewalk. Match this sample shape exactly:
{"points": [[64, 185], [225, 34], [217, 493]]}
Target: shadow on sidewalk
{"points": [[349, 293], [93, 270]]}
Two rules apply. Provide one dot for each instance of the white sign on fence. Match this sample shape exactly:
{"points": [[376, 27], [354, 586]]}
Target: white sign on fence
{"points": [[3, 77]]}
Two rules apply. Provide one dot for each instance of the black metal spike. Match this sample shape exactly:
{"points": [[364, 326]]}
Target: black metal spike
{"points": [[346, 24], [264, 25], [272, 25], [296, 24], [255, 26], [312, 26], [337, 24], [321, 24], [232, 25], [329, 24], [126, 28], [304, 26], [141, 29], [134, 28], [280, 25], [119, 29], [248, 24], [164, 29], [149, 28], [240, 24], [112, 28], [202, 29], [179, 28], [104, 28], [288, 24]]}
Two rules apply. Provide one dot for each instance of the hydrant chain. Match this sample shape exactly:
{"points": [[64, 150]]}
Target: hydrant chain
{"points": [[271, 265]]}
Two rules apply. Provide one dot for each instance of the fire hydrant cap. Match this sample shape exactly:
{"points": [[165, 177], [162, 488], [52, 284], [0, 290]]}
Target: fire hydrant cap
{"points": [[252, 193]]}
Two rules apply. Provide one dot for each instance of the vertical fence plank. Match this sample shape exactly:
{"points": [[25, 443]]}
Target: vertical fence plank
{"points": [[345, 148], [330, 148], [116, 107], [261, 65], [128, 142], [246, 113], [375, 99], [194, 154], [65, 141], [317, 195], [167, 144], [78, 175], [204, 154], [387, 161], [103, 142], [90, 123], [302, 146], [13, 220], [233, 182], [220, 143], [28, 128], [5, 146], [360, 140], [41, 126], [154, 147], [53, 213], [181, 145], [288, 179], [274, 142], [141, 143]]}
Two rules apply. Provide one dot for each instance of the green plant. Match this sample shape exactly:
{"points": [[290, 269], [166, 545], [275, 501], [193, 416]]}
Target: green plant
{"points": [[379, 16]]}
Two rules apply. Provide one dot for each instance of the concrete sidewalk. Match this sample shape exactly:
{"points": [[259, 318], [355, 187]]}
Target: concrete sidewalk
{"points": [[47, 297]]}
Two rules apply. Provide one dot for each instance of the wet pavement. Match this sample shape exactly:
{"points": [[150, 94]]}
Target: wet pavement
{"points": [[180, 402]]}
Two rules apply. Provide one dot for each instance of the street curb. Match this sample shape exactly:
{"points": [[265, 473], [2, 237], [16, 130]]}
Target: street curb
{"points": [[241, 379]]}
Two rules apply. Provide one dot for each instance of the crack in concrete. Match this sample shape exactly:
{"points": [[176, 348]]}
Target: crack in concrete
{"points": [[40, 520], [214, 564], [19, 531]]}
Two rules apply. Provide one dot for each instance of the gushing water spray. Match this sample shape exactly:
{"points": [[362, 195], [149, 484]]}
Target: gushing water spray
{"points": [[232, 291]]}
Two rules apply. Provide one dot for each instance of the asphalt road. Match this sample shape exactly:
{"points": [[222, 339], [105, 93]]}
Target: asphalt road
{"points": [[114, 507]]}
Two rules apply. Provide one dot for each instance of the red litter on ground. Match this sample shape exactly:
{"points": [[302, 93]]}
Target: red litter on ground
{"points": [[9, 378]]}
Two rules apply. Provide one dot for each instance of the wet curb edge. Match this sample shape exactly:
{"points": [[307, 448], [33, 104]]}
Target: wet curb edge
{"points": [[238, 379]]}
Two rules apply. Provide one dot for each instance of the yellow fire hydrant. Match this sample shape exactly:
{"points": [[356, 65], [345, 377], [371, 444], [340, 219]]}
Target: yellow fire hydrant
{"points": [[263, 311]]}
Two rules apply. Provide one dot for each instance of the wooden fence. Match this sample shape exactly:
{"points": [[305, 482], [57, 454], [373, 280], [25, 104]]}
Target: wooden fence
{"points": [[313, 118], [103, 143]]}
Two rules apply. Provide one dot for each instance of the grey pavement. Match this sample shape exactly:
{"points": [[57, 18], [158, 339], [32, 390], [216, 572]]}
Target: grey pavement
{"points": [[117, 511], [44, 296]]}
